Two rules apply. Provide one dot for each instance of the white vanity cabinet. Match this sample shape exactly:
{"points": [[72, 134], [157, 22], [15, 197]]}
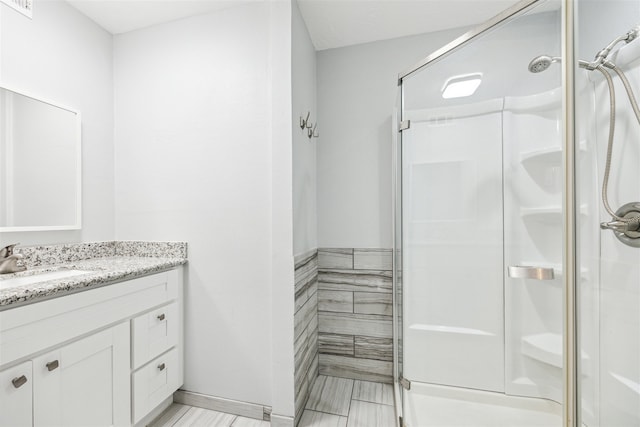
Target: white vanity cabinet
{"points": [[105, 357], [80, 384], [16, 386]]}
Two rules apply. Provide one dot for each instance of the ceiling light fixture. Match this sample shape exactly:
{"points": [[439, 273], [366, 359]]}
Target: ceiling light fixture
{"points": [[461, 86]]}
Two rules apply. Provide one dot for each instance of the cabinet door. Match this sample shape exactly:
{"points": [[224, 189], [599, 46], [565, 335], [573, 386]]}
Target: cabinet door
{"points": [[85, 383], [16, 385]]}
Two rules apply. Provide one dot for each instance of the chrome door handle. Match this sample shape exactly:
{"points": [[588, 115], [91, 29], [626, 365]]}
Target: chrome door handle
{"points": [[530, 272], [19, 381]]}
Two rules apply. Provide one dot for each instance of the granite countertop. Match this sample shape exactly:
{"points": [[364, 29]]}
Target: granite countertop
{"points": [[100, 271]]}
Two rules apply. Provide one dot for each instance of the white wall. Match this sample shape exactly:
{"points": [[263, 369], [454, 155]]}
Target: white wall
{"points": [[357, 89], [63, 56], [203, 154], [303, 82], [282, 266]]}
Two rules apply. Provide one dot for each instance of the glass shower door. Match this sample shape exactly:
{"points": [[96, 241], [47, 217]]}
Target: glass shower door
{"points": [[481, 226]]}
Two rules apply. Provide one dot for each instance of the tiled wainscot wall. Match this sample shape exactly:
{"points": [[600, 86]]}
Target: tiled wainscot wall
{"points": [[354, 300], [305, 327]]}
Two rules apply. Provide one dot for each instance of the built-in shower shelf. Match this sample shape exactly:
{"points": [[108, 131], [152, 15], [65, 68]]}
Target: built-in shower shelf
{"points": [[627, 382], [551, 215], [549, 156], [547, 348]]}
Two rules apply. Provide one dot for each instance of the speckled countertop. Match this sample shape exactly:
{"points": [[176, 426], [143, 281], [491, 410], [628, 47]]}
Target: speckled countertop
{"points": [[105, 263]]}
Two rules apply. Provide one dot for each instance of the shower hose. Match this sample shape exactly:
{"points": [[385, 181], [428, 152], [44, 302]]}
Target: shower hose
{"points": [[633, 223]]}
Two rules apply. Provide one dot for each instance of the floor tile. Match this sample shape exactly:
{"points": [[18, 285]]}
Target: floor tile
{"points": [[331, 395], [249, 422], [205, 418], [170, 416], [320, 419], [373, 392], [367, 414]]}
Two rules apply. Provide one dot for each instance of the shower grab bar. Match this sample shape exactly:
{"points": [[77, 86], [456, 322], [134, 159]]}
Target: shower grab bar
{"points": [[530, 272]]}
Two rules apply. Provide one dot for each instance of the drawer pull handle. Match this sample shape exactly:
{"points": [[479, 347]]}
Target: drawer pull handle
{"points": [[161, 317], [52, 365], [161, 366], [19, 381]]}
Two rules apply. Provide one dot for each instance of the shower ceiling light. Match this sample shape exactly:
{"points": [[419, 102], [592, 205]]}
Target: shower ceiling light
{"points": [[461, 86]]}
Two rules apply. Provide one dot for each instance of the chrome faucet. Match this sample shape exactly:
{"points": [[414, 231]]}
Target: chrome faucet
{"points": [[9, 260]]}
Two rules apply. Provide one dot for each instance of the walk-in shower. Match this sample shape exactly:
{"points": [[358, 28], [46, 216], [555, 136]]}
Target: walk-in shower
{"points": [[514, 303]]}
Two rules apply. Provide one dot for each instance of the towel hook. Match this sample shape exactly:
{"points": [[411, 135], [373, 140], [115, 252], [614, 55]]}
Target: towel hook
{"points": [[303, 122]]}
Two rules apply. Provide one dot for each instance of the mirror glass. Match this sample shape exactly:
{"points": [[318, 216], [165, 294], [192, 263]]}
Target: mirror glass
{"points": [[40, 164]]}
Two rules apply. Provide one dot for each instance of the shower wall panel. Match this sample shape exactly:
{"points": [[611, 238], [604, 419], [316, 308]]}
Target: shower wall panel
{"points": [[453, 323], [354, 313], [616, 367]]}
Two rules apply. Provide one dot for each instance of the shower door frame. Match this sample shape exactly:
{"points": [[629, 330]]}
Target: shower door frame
{"points": [[570, 406]]}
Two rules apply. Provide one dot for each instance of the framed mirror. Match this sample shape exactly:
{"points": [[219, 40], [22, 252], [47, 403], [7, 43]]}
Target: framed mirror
{"points": [[40, 164]]}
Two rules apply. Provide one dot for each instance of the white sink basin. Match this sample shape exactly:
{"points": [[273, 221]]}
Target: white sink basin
{"points": [[38, 278]]}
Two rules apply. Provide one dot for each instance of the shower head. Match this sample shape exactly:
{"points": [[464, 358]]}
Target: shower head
{"points": [[541, 63]]}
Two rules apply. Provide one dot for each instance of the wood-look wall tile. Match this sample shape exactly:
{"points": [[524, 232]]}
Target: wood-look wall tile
{"points": [[373, 348], [300, 299], [305, 257], [339, 258], [303, 359], [355, 280], [373, 303], [340, 301], [359, 369], [301, 391], [305, 315], [304, 278], [370, 325], [336, 344], [372, 259], [312, 374]]}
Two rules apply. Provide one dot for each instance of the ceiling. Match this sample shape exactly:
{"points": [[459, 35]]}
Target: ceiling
{"points": [[331, 23], [122, 16], [337, 23]]}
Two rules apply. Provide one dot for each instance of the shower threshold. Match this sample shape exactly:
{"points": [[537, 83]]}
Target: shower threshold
{"points": [[429, 405]]}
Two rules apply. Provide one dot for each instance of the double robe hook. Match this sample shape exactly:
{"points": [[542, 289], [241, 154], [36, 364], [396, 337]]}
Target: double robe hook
{"points": [[311, 128]]}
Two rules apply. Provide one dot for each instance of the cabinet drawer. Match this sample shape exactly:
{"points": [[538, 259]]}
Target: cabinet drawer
{"points": [[16, 386], [154, 333], [154, 382]]}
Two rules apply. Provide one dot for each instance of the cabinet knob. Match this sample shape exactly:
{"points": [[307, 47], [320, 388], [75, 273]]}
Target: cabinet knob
{"points": [[161, 366], [19, 381], [52, 365], [161, 317]]}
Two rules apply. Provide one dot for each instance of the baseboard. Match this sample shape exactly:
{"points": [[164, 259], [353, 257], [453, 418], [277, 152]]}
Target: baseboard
{"points": [[228, 406], [281, 421]]}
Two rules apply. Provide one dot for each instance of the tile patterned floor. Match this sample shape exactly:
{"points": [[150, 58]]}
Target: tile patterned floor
{"points": [[333, 402], [340, 402], [178, 415]]}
